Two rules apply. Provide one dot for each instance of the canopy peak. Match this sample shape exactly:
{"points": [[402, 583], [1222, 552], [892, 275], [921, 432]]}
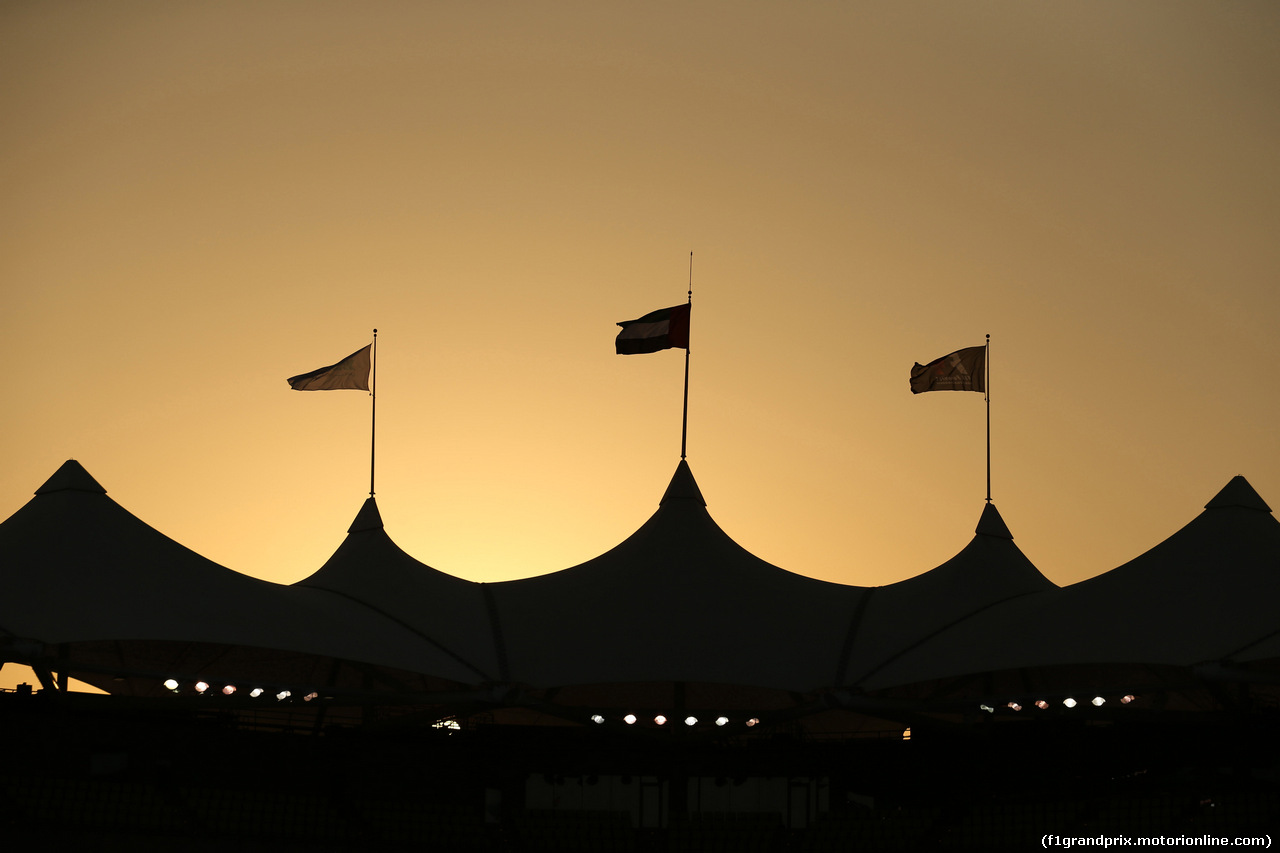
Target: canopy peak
{"points": [[683, 486], [368, 518], [991, 524], [1238, 492], [71, 477]]}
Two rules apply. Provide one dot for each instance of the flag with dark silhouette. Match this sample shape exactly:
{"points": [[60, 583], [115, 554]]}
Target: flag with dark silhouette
{"points": [[351, 372], [665, 328], [962, 370]]}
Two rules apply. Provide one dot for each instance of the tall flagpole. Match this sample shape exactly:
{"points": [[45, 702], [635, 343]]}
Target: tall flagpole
{"points": [[986, 385], [684, 424], [373, 420]]}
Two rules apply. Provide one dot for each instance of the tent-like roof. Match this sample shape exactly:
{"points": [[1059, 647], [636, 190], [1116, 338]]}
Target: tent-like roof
{"points": [[676, 601], [1209, 593], [450, 613], [79, 568], [901, 617]]}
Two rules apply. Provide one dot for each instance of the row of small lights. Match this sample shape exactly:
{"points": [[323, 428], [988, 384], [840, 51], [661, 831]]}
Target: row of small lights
{"points": [[661, 720], [202, 687], [1043, 704]]}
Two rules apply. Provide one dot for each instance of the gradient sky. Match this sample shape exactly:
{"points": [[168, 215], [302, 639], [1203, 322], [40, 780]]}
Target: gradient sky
{"points": [[198, 200]]}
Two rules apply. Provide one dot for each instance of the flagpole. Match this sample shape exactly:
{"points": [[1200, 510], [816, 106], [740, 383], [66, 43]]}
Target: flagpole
{"points": [[986, 385], [373, 420], [684, 424]]}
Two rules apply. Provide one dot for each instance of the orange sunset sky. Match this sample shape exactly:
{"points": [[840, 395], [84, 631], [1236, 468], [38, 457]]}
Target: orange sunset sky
{"points": [[198, 200]]}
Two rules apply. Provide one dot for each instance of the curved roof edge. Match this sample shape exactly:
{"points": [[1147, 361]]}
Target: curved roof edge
{"points": [[371, 571], [898, 618], [678, 600]]}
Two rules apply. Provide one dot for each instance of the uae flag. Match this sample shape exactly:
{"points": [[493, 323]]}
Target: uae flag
{"points": [[962, 370], [661, 329], [351, 372]]}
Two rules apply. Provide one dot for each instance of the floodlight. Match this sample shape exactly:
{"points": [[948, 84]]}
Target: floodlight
{"points": [[255, 692], [228, 690], [283, 695], [1041, 704], [660, 720], [690, 720], [722, 721], [170, 684], [754, 721], [1069, 702], [629, 719], [1015, 706], [201, 686], [1098, 701], [597, 719], [1127, 698]]}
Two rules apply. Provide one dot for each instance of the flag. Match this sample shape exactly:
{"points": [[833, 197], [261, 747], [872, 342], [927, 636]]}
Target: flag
{"points": [[351, 372], [661, 329], [962, 370]]}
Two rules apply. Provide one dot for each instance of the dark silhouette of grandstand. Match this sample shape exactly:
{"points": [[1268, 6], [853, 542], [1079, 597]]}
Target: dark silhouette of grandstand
{"points": [[673, 694]]}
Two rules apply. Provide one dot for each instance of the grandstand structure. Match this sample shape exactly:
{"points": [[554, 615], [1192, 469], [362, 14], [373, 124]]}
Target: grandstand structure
{"points": [[675, 693]]}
